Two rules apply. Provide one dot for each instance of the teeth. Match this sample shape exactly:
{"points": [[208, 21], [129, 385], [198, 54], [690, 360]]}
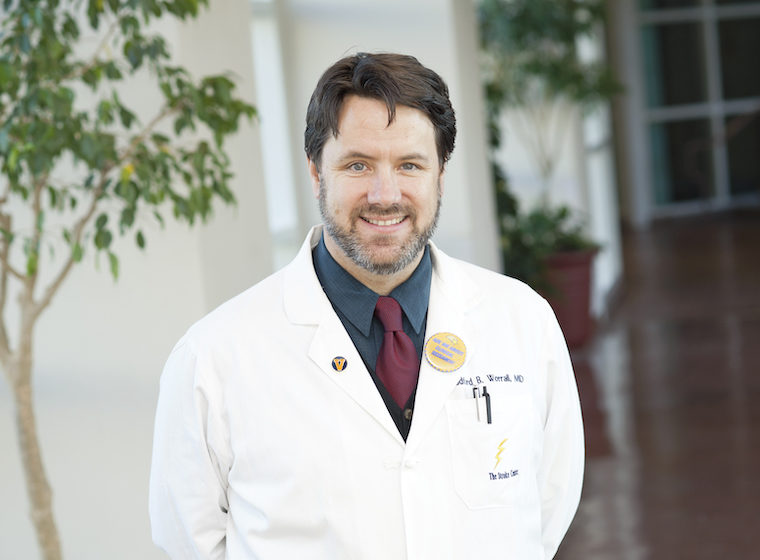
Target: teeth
{"points": [[392, 222]]}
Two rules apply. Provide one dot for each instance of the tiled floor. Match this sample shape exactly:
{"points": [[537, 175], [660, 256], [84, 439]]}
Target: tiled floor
{"points": [[670, 389]]}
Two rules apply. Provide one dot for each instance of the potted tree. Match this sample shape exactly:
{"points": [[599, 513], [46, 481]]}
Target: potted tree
{"points": [[78, 167], [531, 64], [548, 249]]}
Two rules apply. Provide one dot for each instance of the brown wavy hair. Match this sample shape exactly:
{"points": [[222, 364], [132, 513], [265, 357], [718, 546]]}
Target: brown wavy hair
{"points": [[395, 79]]}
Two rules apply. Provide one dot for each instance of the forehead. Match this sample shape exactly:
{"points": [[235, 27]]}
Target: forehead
{"points": [[364, 121]]}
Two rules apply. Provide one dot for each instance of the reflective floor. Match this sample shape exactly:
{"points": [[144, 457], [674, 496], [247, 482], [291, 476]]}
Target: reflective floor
{"points": [[670, 389]]}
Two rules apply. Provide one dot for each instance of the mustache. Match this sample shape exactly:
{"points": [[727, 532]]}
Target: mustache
{"points": [[382, 211]]}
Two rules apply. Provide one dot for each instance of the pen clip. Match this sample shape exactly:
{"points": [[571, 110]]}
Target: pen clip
{"points": [[487, 396]]}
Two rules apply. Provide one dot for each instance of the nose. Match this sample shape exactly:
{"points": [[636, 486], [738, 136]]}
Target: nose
{"points": [[383, 189]]}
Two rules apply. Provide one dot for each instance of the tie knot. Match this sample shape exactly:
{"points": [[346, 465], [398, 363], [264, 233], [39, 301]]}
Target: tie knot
{"points": [[389, 312]]}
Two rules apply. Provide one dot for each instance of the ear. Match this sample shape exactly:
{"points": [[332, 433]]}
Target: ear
{"points": [[441, 182], [314, 176]]}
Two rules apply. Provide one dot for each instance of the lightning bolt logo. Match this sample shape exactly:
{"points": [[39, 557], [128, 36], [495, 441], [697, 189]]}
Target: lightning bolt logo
{"points": [[498, 455]]}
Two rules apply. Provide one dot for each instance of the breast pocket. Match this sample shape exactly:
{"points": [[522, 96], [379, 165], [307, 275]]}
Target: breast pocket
{"points": [[491, 462]]}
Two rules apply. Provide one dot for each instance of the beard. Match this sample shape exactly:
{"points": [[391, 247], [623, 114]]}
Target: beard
{"points": [[361, 252]]}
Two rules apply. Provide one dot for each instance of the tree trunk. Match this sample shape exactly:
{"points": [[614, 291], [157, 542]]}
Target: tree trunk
{"points": [[38, 488]]}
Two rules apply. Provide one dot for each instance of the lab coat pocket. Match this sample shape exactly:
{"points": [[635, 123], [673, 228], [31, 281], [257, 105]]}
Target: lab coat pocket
{"points": [[490, 461]]}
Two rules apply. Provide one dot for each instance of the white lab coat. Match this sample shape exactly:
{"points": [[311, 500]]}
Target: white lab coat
{"points": [[263, 450]]}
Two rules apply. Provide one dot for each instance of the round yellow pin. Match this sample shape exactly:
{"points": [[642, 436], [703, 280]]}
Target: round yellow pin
{"points": [[445, 351]]}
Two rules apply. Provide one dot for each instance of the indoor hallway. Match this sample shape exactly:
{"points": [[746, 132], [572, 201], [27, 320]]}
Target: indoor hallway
{"points": [[670, 389]]}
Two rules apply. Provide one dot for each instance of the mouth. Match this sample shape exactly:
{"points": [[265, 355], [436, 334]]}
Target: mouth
{"points": [[386, 222]]}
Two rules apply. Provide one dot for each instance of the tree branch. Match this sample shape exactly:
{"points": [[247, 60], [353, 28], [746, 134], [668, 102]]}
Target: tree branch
{"points": [[6, 193], [140, 138], [77, 233], [79, 72], [30, 280], [80, 225], [6, 266], [5, 223]]}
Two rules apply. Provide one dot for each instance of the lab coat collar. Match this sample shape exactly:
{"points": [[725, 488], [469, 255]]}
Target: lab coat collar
{"points": [[452, 294]]}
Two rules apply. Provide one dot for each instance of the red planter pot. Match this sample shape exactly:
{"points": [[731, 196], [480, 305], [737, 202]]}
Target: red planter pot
{"points": [[569, 275]]}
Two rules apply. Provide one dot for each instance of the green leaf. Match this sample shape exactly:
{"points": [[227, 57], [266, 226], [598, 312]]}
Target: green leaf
{"points": [[129, 24], [114, 261], [134, 54], [77, 252], [7, 73], [89, 148], [181, 123], [105, 112], [127, 218], [113, 72], [70, 29], [25, 44], [126, 173], [94, 10], [12, 161], [140, 239], [92, 76], [31, 263], [103, 239], [158, 139], [126, 117], [8, 236], [101, 221], [159, 218]]}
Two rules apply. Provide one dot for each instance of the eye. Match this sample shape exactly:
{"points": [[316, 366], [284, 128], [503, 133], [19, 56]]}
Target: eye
{"points": [[409, 166], [357, 166]]}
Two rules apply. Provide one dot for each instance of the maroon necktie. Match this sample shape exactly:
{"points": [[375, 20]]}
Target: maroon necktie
{"points": [[397, 363]]}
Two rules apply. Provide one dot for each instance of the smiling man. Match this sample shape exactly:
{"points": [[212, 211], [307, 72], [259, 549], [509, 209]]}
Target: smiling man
{"points": [[375, 399]]}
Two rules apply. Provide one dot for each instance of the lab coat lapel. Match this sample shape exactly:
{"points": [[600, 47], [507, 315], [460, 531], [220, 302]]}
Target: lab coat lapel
{"points": [[306, 303], [331, 341], [451, 295]]}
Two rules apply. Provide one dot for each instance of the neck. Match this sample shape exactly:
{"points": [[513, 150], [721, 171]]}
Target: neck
{"points": [[382, 284]]}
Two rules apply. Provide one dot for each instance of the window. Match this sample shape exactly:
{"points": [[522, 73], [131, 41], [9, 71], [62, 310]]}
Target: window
{"points": [[702, 101]]}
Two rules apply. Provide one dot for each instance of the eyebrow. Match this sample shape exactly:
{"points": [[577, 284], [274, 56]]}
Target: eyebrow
{"points": [[362, 155], [352, 155], [416, 155]]}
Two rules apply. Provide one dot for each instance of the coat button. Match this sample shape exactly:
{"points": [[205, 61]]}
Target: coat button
{"points": [[408, 414]]}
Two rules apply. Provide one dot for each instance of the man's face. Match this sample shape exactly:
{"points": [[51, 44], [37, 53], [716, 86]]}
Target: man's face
{"points": [[379, 187]]}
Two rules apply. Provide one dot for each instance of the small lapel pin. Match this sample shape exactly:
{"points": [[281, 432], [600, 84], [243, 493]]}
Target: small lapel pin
{"points": [[339, 363]]}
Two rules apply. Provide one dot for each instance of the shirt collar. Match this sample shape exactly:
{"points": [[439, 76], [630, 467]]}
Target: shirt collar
{"points": [[357, 302]]}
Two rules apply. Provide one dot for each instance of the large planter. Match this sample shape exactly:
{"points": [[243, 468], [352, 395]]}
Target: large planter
{"points": [[568, 276]]}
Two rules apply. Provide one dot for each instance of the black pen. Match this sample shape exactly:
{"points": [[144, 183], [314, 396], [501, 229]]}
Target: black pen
{"points": [[488, 403]]}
